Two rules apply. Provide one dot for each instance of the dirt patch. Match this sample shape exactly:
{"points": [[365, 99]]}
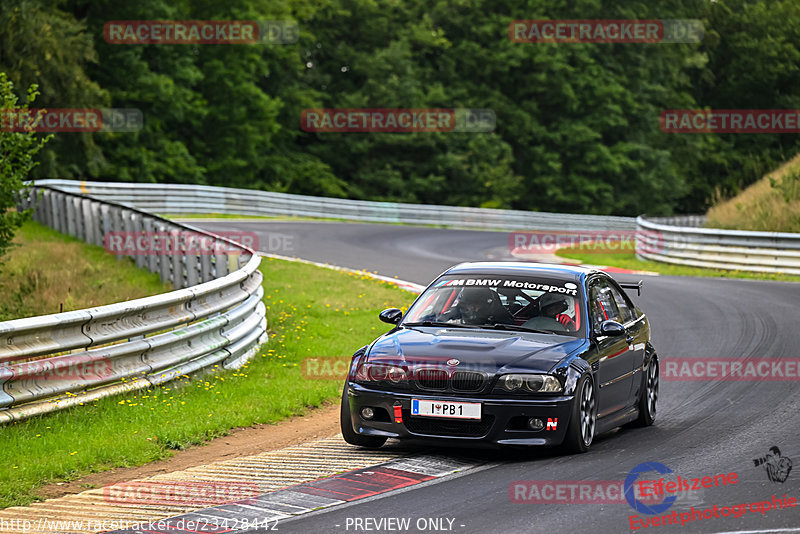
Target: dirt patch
{"points": [[319, 423]]}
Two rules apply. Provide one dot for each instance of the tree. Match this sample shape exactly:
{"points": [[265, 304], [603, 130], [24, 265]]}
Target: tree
{"points": [[17, 150], [44, 44]]}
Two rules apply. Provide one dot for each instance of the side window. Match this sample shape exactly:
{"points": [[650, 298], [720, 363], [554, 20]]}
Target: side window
{"points": [[626, 310], [596, 312], [603, 304]]}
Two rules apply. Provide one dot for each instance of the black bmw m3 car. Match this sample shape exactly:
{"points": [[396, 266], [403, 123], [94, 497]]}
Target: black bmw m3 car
{"points": [[506, 354]]}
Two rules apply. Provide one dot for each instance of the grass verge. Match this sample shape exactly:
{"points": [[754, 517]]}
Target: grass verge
{"points": [[770, 205], [628, 260], [46, 272], [311, 311]]}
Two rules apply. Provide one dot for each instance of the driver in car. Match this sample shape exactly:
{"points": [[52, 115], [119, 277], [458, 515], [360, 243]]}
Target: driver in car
{"points": [[477, 306]]}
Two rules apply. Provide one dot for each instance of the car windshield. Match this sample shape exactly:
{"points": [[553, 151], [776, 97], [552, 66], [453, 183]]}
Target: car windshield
{"points": [[502, 303]]}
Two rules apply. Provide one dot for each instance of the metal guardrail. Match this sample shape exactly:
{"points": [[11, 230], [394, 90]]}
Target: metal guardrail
{"points": [[682, 241], [184, 199], [215, 316]]}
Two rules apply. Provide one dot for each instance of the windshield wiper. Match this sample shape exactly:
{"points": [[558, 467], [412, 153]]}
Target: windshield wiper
{"points": [[437, 323], [517, 328]]}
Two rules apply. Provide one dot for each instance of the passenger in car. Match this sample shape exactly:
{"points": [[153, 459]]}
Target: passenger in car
{"points": [[551, 316]]}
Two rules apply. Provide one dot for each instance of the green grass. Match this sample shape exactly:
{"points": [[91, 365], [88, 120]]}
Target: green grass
{"points": [[628, 260], [312, 312], [47, 272]]}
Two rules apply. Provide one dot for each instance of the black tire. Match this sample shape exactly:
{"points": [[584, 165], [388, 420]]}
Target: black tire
{"points": [[583, 421], [371, 442], [649, 395]]}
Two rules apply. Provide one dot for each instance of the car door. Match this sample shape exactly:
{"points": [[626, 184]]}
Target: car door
{"points": [[615, 359], [637, 334]]}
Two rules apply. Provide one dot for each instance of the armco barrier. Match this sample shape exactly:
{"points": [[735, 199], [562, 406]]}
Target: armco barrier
{"points": [[681, 240], [214, 317], [183, 199]]}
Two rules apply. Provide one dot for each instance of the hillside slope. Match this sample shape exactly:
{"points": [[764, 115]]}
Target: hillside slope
{"points": [[772, 204]]}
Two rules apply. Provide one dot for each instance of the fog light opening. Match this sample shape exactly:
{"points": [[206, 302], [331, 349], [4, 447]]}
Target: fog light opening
{"points": [[367, 413], [535, 423]]}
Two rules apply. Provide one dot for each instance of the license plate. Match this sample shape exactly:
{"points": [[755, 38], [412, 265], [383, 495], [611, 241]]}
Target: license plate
{"points": [[454, 410]]}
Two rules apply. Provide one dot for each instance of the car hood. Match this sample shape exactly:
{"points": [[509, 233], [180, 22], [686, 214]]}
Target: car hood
{"points": [[483, 350]]}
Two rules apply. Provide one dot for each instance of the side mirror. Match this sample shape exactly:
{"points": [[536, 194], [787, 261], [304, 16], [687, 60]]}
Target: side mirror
{"points": [[611, 328], [391, 315]]}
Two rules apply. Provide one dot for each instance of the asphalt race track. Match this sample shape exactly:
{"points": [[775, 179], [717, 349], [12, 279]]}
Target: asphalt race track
{"points": [[703, 428]]}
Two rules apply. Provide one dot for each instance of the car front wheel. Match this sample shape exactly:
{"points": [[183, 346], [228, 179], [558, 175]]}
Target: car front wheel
{"points": [[582, 424]]}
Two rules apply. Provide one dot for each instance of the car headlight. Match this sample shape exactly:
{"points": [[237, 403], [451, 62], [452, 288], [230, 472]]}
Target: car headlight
{"points": [[377, 372], [530, 383]]}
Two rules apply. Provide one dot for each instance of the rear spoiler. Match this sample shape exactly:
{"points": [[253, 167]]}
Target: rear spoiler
{"points": [[637, 286]]}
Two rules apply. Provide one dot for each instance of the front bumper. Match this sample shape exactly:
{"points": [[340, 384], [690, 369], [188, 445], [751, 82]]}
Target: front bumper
{"points": [[499, 422]]}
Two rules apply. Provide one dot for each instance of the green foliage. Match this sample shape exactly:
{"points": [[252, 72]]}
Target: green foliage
{"points": [[44, 45], [17, 150], [577, 124]]}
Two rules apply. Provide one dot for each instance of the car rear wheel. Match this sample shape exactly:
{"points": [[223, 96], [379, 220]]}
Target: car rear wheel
{"points": [[582, 423], [349, 435], [649, 396]]}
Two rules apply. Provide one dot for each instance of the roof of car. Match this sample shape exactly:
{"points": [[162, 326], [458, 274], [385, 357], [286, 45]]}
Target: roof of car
{"points": [[549, 270]]}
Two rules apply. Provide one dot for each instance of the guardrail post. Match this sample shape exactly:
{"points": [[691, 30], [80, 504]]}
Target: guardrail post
{"points": [[80, 223], [71, 219], [116, 223], [206, 267], [220, 258], [178, 275], [137, 229], [22, 200], [192, 269], [127, 227], [155, 245], [46, 205], [94, 223], [86, 220], [244, 257], [106, 222], [41, 212], [56, 208], [163, 258]]}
